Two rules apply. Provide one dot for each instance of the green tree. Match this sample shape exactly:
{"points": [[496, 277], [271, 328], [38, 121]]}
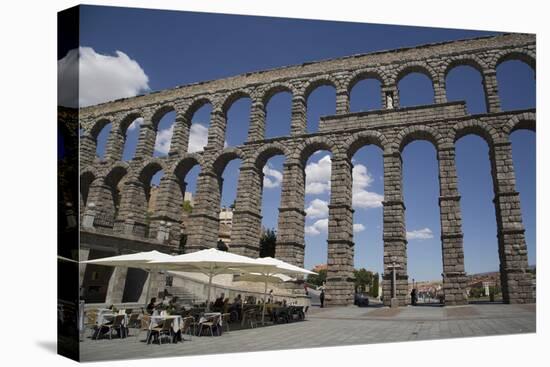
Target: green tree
{"points": [[318, 279], [187, 207], [362, 279], [375, 285], [268, 242]]}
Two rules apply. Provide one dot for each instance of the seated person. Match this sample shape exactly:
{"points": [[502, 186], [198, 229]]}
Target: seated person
{"points": [[151, 306]]}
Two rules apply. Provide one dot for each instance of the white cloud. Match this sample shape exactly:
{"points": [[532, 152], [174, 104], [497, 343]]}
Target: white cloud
{"points": [[101, 78], [198, 137], [316, 228], [164, 137], [420, 234], [317, 209], [358, 227], [318, 176], [135, 124], [272, 177], [362, 198]]}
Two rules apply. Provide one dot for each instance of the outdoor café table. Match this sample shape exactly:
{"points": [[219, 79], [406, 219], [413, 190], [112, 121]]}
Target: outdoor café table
{"points": [[176, 325]]}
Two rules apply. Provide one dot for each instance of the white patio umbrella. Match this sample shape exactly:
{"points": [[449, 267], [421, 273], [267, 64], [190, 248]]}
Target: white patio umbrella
{"points": [[213, 262], [281, 268], [140, 260]]}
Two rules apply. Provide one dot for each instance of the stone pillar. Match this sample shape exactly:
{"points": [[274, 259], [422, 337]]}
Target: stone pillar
{"points": [[216, 131], [180, 138], [131, 219], [168, 210], [247, 218], [454, 276], [87, 149], [390, 97], [257, 121], [342, 101], [440, 94], [83, 255], [516, 282], [115, 289], [340, 288], [101, 195], [204, 220], [490, 85], [395, 239], [298, 124], [146, 141], [290, 232], [115, 144]]}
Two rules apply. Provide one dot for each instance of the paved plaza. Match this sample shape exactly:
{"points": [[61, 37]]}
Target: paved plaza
{"points": [[334, 327]]}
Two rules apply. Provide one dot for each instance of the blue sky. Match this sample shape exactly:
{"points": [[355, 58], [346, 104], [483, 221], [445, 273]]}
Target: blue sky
{"points": [[163, 49]]}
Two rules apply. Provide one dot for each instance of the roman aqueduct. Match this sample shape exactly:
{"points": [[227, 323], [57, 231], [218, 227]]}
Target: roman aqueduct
{"points": [[121, 208]]}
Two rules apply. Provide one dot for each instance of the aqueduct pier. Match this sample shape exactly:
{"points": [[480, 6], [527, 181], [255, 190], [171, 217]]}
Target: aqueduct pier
{"points": [[119, 189]]}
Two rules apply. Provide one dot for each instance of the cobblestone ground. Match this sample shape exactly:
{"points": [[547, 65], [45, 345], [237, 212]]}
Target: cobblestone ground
{"points": [[333, 327]]}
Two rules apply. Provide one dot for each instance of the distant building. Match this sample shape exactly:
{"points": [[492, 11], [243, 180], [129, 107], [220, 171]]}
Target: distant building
{"points": [[226, 223]]}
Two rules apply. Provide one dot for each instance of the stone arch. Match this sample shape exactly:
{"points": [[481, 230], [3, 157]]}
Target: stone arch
{"points": [[267, 151], [360, 139], [160, 113], [116, 172], [524, 56], [98, 125], [196, 104], [126, 121], [526, 121], [317, 82], [419, 132], [233, 97], [185, 164], [311, 145], [275, 89], [224, 158], [464, 60], [416, 67], [149, 168], [364, 74], [475, 127]]}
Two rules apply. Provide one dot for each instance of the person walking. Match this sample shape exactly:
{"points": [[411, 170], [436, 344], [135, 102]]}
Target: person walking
{"points": [[322, 298]]}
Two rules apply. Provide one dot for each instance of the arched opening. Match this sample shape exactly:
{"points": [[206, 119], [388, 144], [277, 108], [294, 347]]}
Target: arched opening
{"points": [[465, 83], [420, 195], [101, 133], [524, 157], [200, 122], [237, 121], [475, 185], [272, 171], [368, 189], [365, 95], [317, 198], [147, 198], [516, 85], [320, 102], [187, 173], [415, 89], [115, 182], [228, 179], [165, 129], [130, 130], [278, 115]]}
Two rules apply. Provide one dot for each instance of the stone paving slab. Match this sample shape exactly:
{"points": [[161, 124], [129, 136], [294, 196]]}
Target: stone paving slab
{"points": [[334, 326]]}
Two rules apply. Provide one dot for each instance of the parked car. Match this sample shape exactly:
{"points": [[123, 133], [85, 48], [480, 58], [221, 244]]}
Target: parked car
{"points": [[361, 299]]}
